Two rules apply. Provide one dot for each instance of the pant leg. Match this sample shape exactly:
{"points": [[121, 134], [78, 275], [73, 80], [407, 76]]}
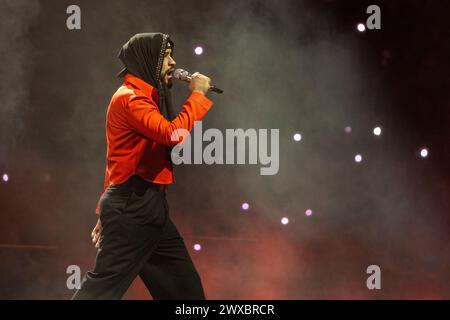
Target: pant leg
{"points": [[170, 273], [132, 227]]}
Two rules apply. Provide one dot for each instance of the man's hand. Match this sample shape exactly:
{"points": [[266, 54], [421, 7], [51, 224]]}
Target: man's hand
{"points": [[96, 233], [200, 83]]}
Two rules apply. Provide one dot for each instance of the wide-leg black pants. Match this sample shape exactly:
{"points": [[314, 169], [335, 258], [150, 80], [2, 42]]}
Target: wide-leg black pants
{"points": [[139, 238]]}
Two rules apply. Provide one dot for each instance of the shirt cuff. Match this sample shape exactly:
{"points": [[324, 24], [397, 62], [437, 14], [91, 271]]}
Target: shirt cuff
{"points": [[201, 100]]}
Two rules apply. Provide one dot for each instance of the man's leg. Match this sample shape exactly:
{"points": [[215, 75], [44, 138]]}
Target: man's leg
{"points": [[170, 273], [117, 264], [132, 227]]}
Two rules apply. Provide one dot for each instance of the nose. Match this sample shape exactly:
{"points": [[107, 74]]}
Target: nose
{"points": [[172, 62]]}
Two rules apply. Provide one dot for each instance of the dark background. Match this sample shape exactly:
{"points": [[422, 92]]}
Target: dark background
{"points": [[300, 66]]}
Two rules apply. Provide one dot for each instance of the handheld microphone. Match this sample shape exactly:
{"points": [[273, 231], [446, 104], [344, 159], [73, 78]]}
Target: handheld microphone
{"points": [[184, 75]]}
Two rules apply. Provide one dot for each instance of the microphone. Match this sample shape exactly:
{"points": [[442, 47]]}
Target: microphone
{"points": [[184, 75]]}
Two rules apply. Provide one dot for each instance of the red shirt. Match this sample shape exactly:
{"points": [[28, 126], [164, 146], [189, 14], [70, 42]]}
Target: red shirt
{"points": [[138, 135]]}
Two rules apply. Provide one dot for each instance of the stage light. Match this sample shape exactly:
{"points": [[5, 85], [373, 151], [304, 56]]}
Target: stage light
{"points": [[424, 153], [348, 129], [361, 27], [197, 247], [297, 137], [358, 158], [284, 220], [308, 212], [198, 50], [5, 177], [245, 206], [377, 131]]}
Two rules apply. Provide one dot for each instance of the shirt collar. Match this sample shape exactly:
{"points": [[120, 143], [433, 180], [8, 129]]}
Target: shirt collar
{"points": [[146, 88]]}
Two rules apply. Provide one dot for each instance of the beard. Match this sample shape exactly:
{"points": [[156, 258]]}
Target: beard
{"points": [[169, 83], [166, 79]]}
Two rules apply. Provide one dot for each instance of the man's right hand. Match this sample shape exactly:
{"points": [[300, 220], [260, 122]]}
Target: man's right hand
{"points": [[200, 83]]}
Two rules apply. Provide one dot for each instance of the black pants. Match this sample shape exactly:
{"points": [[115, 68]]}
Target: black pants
{"points": [[139, 238]]}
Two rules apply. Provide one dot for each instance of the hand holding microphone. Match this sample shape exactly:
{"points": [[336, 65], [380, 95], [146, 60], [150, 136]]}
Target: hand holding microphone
{"points": [[197, 81]]}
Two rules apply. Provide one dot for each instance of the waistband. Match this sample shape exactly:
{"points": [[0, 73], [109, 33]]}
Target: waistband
{"points": [[138, 184]]}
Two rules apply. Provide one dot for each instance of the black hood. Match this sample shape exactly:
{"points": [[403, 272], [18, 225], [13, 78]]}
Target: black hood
{"points": [[143, 57]]}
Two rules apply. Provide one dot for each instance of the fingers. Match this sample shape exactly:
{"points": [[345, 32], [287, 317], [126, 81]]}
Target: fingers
{"points": [[200, 83], [199, 75], [95, 237], [99, 241], [96, 233], [97, 244]]}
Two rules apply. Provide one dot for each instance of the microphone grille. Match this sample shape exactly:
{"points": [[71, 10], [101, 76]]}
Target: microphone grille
{"points": [[181, 74]]}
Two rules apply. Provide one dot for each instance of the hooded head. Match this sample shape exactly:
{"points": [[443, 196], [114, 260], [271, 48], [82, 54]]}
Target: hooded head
{"points": [[148, 56]]}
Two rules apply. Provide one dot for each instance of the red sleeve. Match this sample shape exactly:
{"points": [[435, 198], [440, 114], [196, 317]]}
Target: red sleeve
{"points": [[144, 117]]}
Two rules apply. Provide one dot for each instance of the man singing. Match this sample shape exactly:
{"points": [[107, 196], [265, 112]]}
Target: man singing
{"points": [[134, 233]]}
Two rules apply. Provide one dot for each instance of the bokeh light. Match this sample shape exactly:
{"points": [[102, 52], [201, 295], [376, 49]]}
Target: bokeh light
{"points": [[297, 137], [424, 153], [198, 50], [377, 131]]}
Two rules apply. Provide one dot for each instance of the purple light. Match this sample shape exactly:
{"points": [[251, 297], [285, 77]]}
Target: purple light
{"points": [[197, 247], [308, 212], [245, 206], [348, 129], [5, 177], [358, 158], [284, 220]]}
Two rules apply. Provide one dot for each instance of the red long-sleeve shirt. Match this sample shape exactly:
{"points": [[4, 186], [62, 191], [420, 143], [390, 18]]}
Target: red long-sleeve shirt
{"points": [[137, 134]]}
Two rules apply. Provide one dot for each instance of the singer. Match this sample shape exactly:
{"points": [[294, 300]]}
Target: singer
{"points": [[134, 233]]}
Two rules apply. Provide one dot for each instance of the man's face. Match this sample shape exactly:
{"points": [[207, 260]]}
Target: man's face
{"points": [[167, 67]]}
